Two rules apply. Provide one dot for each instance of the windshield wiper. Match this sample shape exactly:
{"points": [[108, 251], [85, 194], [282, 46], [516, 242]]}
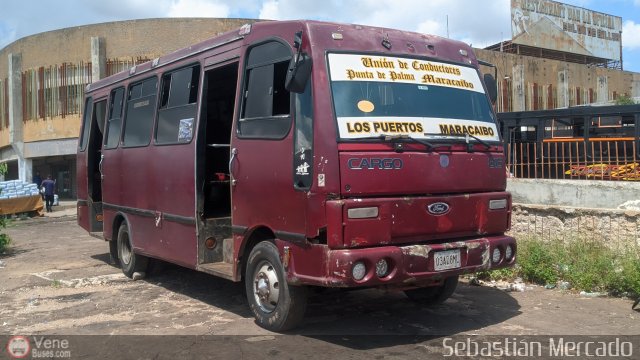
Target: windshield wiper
{"points": [[466, 137], [398, 145]]}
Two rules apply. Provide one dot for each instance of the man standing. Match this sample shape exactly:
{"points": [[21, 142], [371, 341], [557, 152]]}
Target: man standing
{"points": [[48, 186]]}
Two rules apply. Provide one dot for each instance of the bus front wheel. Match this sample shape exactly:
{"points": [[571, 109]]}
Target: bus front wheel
{"points": [[131, 262], [434, 295], [276, 305]]}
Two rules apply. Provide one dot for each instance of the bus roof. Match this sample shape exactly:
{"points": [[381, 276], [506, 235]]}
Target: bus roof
{"points": [[323, 35]]}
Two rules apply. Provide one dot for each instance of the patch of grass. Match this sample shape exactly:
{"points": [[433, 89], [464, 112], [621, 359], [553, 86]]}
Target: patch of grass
{"points": [[537, 263], [56, 283], [586, 263]]}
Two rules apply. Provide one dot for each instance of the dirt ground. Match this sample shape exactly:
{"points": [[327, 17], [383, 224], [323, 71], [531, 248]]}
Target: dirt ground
{"points": [[56, 279]]}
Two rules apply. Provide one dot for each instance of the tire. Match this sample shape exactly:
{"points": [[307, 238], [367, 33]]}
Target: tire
{"points": [[276, 305], [113, 253], [129, 261], [434, 295]]}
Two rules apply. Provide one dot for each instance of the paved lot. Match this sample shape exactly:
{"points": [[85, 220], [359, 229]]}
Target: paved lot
{"points": [[56, 279]]}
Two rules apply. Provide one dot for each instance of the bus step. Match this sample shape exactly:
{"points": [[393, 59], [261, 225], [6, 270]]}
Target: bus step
{"points": [[221, 269]]}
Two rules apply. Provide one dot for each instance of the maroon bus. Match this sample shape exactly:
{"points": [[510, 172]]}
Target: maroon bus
{"points": [[296, 154]]}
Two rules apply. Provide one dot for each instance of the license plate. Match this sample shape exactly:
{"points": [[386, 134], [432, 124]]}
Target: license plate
{"points": [[445, 260]]}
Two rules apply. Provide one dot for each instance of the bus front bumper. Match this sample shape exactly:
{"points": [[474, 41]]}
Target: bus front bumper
{"points": [[408, 266]]}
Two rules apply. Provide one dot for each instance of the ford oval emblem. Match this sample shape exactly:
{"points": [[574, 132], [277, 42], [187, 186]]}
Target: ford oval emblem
{"points": [[438, 208]]}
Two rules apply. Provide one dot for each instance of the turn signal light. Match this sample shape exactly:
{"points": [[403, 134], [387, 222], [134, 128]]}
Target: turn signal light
{"points": [[497, 204]]}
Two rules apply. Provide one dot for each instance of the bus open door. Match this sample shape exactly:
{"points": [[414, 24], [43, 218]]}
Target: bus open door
{"points": [[89, 177]]}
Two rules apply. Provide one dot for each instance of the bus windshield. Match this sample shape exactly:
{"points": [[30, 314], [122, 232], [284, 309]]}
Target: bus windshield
{"points": [[380, 96]]}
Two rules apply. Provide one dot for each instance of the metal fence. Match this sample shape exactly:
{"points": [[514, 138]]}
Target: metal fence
{"points": [[597, 159]]}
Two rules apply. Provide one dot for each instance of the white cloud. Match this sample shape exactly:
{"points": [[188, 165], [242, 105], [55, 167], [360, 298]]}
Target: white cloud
{"points": [[198, 8], [631, 35], [431, 27], [270, 10], [482, 23]]}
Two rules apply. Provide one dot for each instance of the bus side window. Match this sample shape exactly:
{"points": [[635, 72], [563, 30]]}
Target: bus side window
{"points": [[84, 136], [141, 105], [178, 106], [112, 137], [266, 105]]}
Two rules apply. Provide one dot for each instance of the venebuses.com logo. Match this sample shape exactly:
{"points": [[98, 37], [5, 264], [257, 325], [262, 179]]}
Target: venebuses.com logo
{"points": [[18, 347]]}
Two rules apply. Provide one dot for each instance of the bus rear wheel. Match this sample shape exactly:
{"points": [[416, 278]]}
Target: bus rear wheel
{"points": [[113, 252], [434, 295], [276, 305], [130, 262]]}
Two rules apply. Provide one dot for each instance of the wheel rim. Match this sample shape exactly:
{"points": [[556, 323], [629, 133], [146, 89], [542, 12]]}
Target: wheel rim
{"points": [[125, 249], [266, 287]]}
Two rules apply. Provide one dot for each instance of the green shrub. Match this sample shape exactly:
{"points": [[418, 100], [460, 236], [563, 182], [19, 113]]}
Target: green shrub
{"points": [[4, 242], [625, 100], [537, 262]]}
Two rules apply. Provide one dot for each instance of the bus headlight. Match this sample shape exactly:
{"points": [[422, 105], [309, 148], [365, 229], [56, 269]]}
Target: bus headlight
{"points": [[359, 270], [495, 255], [508, 252], [382, 268]]}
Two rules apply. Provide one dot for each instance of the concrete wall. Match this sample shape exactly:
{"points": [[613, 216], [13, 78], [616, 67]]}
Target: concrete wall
{"points": [[51, 128], [617, 229], [576, 193], [123, 39]]}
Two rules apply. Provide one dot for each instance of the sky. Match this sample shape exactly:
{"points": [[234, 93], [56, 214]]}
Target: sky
{"points": [[476, 22]]}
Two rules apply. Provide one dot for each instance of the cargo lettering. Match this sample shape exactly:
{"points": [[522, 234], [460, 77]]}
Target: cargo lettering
{"points": [[374, 163], [447, 129]]}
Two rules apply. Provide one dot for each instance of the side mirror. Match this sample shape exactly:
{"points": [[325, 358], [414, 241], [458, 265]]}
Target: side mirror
{"points": [[299, 68], [298, 73], [492, 87]]}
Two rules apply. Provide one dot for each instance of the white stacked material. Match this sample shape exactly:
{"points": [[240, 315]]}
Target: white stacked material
{"points": [[12, 189]]}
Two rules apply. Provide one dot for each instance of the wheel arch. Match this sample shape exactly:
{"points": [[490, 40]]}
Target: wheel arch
{"points": [[250, 240], [115, 225]]}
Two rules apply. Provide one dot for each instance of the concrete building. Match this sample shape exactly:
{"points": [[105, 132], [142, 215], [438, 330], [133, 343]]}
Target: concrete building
{"points": [[42, 80]]}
